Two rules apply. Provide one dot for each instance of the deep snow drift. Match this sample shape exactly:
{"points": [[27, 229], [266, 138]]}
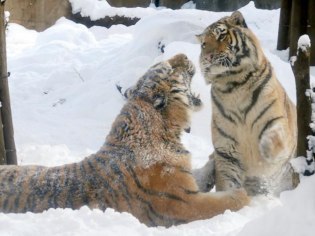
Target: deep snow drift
{"points": [[64, 100]]}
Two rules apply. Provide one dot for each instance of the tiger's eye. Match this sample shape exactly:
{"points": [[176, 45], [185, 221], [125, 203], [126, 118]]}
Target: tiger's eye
{"points": [[203, 45]]}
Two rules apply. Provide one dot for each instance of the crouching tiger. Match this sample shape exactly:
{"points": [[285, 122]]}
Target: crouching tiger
{"points": [[253, 120], [142, 168]]}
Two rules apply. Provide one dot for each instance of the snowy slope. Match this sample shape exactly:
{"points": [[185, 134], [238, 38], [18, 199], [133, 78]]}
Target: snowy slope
{"points": [[64, 100]]}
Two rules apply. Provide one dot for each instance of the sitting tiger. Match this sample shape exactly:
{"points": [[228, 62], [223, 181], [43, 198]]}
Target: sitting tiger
{"points": [[142, 168], [253, 120]]}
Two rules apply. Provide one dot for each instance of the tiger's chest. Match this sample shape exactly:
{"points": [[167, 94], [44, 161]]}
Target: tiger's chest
{"points": [[238, 118]]}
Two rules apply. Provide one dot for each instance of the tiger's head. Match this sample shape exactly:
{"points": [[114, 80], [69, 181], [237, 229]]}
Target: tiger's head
{"points": [[167, 87], [165, 82], [227, 45]]}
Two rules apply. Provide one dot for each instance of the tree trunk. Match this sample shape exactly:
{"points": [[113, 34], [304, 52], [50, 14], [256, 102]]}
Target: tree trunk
{"points": [[311, 28], [3, 158], [284, 25], [301, 70], [4, 96], [298, 24]]}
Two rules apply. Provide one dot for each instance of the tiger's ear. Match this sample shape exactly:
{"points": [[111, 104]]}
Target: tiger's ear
{"points": [[159, 101], [238, 19], [128, 94]]}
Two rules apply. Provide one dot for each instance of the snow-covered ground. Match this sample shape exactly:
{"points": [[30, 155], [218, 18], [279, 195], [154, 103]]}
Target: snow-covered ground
{"points": [[64, 100]]}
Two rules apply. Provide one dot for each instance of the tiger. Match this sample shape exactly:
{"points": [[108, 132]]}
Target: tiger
{"points": [[142, 167], [253, 126]]}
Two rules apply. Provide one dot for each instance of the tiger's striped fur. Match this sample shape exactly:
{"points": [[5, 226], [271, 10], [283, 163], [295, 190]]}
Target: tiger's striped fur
{"points": [[142, 168], [253, 120]]}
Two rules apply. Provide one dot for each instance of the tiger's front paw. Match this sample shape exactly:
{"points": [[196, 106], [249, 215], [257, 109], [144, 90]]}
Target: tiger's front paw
{"points": [[205, 176], [240, 198]]}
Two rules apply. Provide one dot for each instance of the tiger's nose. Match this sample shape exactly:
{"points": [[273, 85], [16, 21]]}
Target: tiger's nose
{"points": [[209, 57]]}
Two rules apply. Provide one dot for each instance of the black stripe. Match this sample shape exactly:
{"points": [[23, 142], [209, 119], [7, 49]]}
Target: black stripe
{"points": [[232, 85], [190, 192], [165, 219], [229, 72], [263, 112], [235, 181], [16, 204], [262, 71], [52, 200], [74, 186], [177, 91], [30, 197], [224, 134], [236, 46], [5, 204], [19, 187], [221, 109], [38, 191], [254, 46], [121, 179], [229, 157], [94, 185], [179, 168], [257, 91], [267, 125], [150, 212], [84, 195], [245, 49], [103, 181], [240, 120], [150, 191]]}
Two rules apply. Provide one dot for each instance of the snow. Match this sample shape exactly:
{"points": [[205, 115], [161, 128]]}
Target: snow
{"points": [[189, 5], [299, 164], [64, 100], [99, 9], [6, 15], [310, 165], [304, 42]]}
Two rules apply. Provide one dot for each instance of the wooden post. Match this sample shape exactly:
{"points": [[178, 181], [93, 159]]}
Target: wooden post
{"points": [[6, 113], [3, 158], [311, 28], [298, 25], [301, 70], [284, 25]]}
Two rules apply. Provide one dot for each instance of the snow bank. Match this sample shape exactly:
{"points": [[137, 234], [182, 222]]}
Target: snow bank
{"points": [[99, 9], [294, 217], [64, 100]]}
